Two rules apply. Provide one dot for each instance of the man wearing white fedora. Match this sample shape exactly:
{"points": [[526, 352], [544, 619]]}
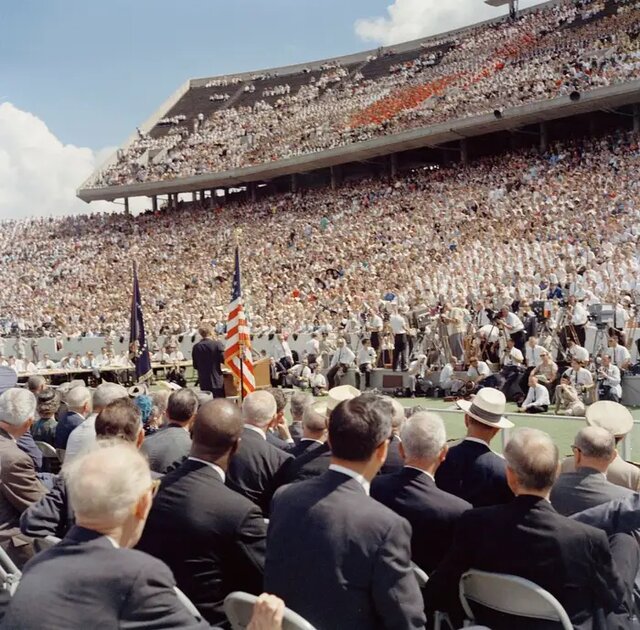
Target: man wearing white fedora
{"points": [[472, 471]]}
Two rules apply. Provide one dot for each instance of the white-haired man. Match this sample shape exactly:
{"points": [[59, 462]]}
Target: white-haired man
{"points": [[298, 403], [590, 576], [20, 486], [314, 428], [254, 465], [111, 491], [84, 435], [395, 460], [412, 493], [78, 402]]}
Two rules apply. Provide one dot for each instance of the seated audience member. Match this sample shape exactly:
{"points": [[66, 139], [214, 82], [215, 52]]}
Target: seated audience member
{"points": [[318, 381], [341, 361], [52, 515], [314, 430], [298, 403], [19, 485], [448, 383], [567, 399], [78, 402], [412, 493], [618, 420], [44, 429], [278, 432], [256, 461], [472, 471], [314, 461], [84, 436], [218, 537], [172, 443], [589, 576], [537, 400], [581, 379], [478, 371], [157, 417], [609, 380], [314, 524], [92, 578], [36, 384], [547, 368], [299, 375], [594, 449], [366, 361], [394, 461]]}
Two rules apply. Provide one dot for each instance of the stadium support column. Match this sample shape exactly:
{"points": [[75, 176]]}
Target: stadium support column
{"points": [[636, 118], [194, 197], [202, 196], [393, 165], [252, 191], [294, 183], [332, 171], [154, 203], [126, 205], [544, 137], [464, 152]]}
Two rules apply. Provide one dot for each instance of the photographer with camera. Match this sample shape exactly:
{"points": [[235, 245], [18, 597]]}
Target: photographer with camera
{"points": [[578, 314], [620, 356], [609, 380], [341, 361]]}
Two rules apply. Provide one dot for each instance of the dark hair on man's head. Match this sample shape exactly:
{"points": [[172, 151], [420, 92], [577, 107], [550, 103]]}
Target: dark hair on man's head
{"points": [[358, 426], [182, 405], [281, 399], [119, 419], [216, 429]]}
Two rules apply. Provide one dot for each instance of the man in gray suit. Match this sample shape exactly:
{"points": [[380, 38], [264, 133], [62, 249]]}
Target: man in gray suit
{"points": [[19, 485], [93, 578], [594, 449], [172, 444]]}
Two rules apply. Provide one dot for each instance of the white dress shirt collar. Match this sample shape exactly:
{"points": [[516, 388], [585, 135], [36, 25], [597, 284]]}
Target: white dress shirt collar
{"points": [[354, 475], [478, 440], [211, 465], [305, 439], [422, 471], [257, 430]]}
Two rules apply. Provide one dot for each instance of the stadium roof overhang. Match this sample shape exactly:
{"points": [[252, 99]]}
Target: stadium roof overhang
{"points": [[432, 136]]}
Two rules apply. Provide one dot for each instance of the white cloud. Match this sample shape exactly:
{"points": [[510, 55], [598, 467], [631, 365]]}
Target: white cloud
{"points": [[412, 19], [38, 174]]}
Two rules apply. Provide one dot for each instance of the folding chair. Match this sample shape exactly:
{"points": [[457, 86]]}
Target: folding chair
{"points": [[50, 456], [9, 573], [188, 604], [510, 595], [238, 607]]}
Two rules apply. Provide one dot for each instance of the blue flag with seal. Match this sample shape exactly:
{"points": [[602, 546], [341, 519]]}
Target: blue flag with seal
{"points": [[138, 348]]}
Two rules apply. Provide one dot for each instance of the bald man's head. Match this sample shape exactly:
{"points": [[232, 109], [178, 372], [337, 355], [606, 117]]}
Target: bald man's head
{"points": [[216, 430]]}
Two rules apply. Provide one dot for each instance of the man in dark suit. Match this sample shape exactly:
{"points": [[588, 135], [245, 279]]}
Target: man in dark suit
{"points": [[52, 515], [255, 463], [92, 578], [472, 471], [412, 492], [19, 486], [394, 462], [78, 402], [217, 536], [208, 357], [278, 433], [314, 429], [171, 444], [594, 449], [529, 539], [336, 556], [298, 403]]}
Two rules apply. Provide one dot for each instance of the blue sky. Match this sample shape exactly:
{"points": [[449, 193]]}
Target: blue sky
{"points": [[77, 76], [93, 70]]}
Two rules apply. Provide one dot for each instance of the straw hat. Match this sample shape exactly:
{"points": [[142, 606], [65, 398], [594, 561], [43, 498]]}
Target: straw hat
{"points": [[488, 407], [609, 415], [335, 396]]}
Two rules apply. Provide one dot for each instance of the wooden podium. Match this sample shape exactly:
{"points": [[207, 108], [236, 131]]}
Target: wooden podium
{"points": [[261, 374]]}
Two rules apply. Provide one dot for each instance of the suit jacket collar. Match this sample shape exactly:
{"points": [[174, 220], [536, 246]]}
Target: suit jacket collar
{"points": [[81, 535], [586, 471], [410, 473], [526, 502], [338, 479], [6, 436], [193, 466]]}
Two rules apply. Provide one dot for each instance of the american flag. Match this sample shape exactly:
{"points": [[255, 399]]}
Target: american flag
{"points": [[237, 352], [138, 348]]}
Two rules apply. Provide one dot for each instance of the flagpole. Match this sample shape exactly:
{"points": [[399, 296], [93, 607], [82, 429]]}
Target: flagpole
{"points": [[240, 336]]}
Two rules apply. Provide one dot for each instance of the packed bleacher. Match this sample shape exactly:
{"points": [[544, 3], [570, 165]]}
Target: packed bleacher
{"points": [[550, 51]]}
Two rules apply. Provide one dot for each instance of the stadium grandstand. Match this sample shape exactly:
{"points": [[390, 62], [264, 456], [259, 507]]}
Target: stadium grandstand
{"points": [[414, 274], [434, 99]]}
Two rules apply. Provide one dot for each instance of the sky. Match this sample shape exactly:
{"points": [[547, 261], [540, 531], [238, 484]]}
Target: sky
{"points": [[77, 76]]}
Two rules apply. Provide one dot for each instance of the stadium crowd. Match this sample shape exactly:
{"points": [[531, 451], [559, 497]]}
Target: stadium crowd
{"points": [[500, 230], [555, 50], [358, 514]]}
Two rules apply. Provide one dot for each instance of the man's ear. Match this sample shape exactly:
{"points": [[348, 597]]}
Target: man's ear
{"points": [[381, 451], [142, 507], [140, 438]]}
